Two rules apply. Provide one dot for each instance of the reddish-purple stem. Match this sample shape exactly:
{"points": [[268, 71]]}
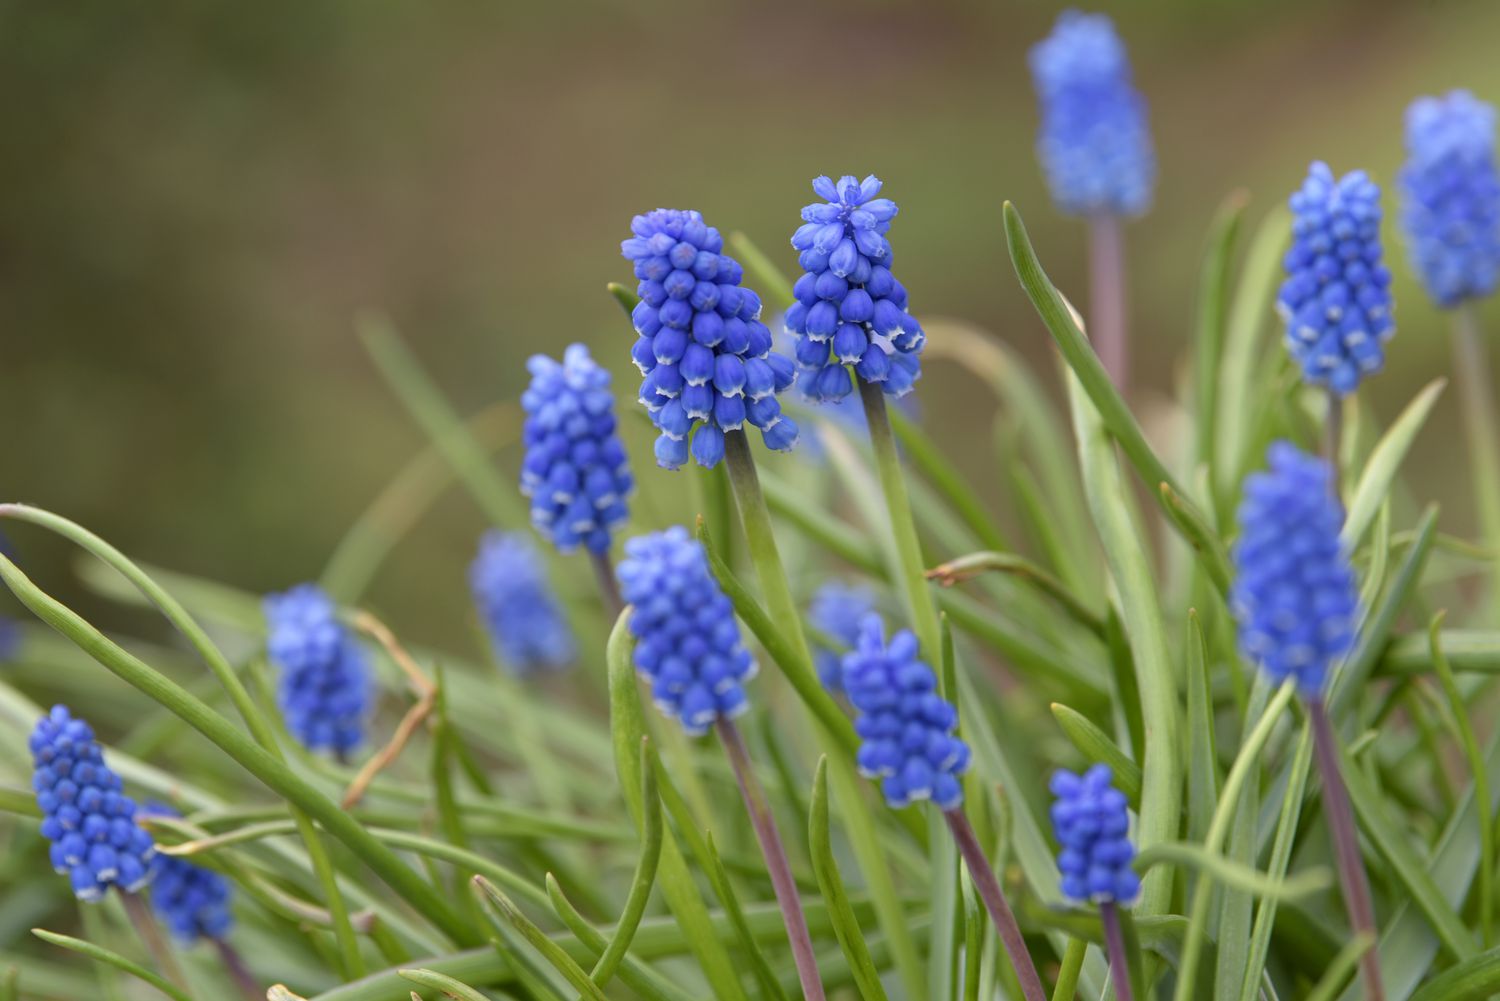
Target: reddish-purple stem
{"points": [[1114, 944], [994, 901], [1107, 329]]}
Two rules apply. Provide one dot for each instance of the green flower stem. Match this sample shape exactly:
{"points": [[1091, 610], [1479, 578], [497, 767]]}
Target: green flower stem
{"points": [[1066, 987], [234, 963], [1482, 429], [1340, 816], [258, 761], [1114, 942], [144, 923], [1107, 297], [260, 728], [776, 861], [835, 732], [903, 526], [993, 896]]}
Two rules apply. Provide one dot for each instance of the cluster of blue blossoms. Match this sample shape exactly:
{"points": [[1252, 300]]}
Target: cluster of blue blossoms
{"points": [[905, 726], [325, 688], [1095, 146], [1092, 824], [688, 643], [1294, 592], [705, 355], [849, 308], [192, 901], [1450, 197], [525, 623], [95, 839], [836, 611], [1336, 299], [575, 470]]}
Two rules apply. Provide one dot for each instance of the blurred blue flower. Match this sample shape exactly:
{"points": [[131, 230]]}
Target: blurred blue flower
{"points": [[90, 822], [837, 610], [1095, 144], [1336, 299], [1450, 196], [325, 690], [575, 470], [509, 583], [1294, 592], [10, 638], [849, 309], [906, 727], [190, 900], [705, 354], [688, 643], [1090, 819]]}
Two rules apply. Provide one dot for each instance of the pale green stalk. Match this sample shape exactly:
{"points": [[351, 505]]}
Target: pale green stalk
{"points": [[1481, 430]]}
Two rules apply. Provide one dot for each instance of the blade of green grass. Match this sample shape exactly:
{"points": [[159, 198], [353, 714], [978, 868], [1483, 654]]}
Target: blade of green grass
{"points": [[99, 954], [1474, 980], [549, 950], [1380, 469], [457, 990], [1213, 318], [1230, 873], [1095, 745]]}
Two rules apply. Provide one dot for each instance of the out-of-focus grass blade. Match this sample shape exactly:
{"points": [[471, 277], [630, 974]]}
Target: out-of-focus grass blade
{"points": [[777, 289], [457, 990], [537, 939], [1406, 865], [713, 867], [964, 567], [1408, 943], [1276, 867], [1229, 873], [1474, 980], [1468, 651], [1202, 749], [1341, 968], [99, 954], [1206, 545], [1380, 470], [947, 480], [628, 728], [1238, 367], [1095, 745], [831, 885], [1161, 764], [640, 885], [1213, 310], [1089, 371]]}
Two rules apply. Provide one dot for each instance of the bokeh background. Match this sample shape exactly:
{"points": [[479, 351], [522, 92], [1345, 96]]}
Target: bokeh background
{"points": [[196, 198]]}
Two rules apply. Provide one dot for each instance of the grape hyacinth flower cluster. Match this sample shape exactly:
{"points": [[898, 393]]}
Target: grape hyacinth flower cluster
{"points": [[849, 308], [525, 623], [905, 726], [1092, 826], [1095, 145], [688, 643], [705, 354], [325, 688], [1450, 197], [575, 470], [1336, 299], [837, 610], [190, 900], [96, 841], [1294, 593]]}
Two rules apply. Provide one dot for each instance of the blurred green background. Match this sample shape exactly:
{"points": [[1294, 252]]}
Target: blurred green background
{"points": [[197, 197]]}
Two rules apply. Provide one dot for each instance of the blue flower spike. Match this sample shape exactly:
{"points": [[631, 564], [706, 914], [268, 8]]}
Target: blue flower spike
{"points": [[1294, 594], [1336, 299], [96, 841], [1450, 197], [688, 644], [1095, 144], [705, 355], [837, 610], [520, 612], [850, 310], [575, 471], [905, 727], [325, 688], [1092, 824], [193, 902]]}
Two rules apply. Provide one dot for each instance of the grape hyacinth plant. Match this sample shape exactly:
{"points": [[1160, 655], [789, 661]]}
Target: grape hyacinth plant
{"points": [[1058, 695], [1096, 152], [521, 614], [325, 685], [849, 309], [705, 357], [1092, 825], [1295, 599], [906, 729]]}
